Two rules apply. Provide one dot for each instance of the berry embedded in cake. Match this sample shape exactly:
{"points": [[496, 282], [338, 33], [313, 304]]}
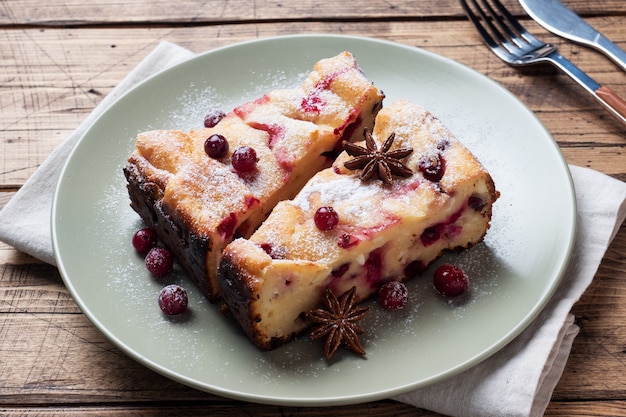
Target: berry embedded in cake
{"points": [[385, 210]]}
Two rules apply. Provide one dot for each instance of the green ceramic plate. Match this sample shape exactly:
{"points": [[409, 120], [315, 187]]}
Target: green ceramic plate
{"points": [[513, 273]]}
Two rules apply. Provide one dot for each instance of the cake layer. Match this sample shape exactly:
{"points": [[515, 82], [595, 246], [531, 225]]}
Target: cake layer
{"points": [[197, 203], [385, 231]]}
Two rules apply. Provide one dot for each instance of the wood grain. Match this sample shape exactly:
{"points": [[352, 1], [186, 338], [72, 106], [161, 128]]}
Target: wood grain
{"points": [[80, 12], [55, 78]]}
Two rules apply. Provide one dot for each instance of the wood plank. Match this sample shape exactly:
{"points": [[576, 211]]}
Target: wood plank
{"points": [[586, 409], [50, 346], [56, 77], [81, 12], [228, 409], [33, 289], [63, 355], [378, 409]]}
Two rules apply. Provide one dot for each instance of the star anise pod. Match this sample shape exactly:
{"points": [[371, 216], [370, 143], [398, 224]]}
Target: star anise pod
{"points": [[337, 321], [372, 161]]}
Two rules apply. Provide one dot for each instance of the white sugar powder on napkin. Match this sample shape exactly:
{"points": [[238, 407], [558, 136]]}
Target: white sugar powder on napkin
{"points": [[516, 381]]}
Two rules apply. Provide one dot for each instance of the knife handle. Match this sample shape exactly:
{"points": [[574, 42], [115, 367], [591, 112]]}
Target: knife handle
{"points": [[614, 103]]}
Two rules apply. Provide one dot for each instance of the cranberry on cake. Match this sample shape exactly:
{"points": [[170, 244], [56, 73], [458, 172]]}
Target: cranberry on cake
{"points": [[385, 210], [201, 188]]}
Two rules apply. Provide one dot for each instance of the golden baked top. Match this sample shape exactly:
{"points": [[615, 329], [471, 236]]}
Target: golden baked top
{"points": [[370, 207]]}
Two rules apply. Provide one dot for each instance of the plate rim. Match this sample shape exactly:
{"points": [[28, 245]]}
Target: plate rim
{"points": [[317, 401]]}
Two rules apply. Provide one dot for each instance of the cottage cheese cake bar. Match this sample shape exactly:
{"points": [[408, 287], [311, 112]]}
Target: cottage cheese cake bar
{"points": [[384, 211]]}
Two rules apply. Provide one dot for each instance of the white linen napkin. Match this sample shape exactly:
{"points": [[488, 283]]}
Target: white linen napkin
{"points": [[516, 381]]}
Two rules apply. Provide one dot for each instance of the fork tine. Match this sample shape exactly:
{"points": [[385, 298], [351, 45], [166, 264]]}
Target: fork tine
{"points": [[492, 36], [517, 47], [479, 26], [500, 30], [518, 29], [490, 15]]}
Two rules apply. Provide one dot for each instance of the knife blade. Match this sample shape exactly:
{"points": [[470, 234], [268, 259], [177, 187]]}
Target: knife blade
{"points": [[560, 20]]}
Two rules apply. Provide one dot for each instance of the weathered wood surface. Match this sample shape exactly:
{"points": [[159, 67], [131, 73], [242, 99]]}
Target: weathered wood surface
{"points": [[53, 78], [80, 12], [58, 59]]}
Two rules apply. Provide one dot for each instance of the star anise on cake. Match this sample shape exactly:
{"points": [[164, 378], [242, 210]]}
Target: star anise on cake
{"points": [[377, 162], [337, 322]]}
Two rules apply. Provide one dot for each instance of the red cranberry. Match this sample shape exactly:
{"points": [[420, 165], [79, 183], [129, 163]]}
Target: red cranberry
{"points": [[431, 234], [326, 218], [346, 241], [244, 159], [173, 300], [374, 266], [159, 261], [213, 117], [227, 227], [433, 167], [216, 146], [450, 280], [273, 252], [267, 248], [476, 203], [393, 295], [144, 240]]}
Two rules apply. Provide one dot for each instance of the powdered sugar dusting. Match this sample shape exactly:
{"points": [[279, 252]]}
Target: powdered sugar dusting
{"points": [[347, 189], [190, 107]]}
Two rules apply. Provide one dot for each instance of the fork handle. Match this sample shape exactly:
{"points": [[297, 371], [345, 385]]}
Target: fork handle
{"points": [[612, 101], [603, 95]]}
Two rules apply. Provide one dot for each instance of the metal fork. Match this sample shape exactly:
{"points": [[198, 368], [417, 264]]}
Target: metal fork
{"points": [[510, 41]]}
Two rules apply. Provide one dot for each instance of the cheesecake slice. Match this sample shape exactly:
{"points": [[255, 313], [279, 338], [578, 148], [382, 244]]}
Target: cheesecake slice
{"points": [[390, 224], [198, 203]]}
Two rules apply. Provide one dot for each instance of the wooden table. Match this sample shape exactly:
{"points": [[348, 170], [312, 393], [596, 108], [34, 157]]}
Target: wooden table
{"points": [[59, 58]]}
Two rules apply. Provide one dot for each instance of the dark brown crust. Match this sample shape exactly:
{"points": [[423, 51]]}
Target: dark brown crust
{"points": [[188, 248], [237, 291]]}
